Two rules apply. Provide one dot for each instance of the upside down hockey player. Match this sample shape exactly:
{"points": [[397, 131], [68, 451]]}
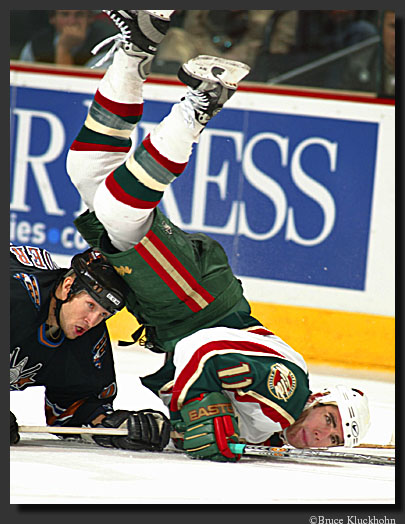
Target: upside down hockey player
{"points": [[59, 340], [226, 376]]}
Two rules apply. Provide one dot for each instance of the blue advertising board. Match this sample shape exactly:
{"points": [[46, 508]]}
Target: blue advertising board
{"points": [[288, 196]]}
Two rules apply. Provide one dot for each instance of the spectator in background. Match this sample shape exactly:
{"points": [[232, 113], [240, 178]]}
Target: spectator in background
{"points": [[232, 34], [373, 69], [69, 38]]}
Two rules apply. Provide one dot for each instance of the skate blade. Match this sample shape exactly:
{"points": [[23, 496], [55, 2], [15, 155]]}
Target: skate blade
{"points": [[218, 70]]}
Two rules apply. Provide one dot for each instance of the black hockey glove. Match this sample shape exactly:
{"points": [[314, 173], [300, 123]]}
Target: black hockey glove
{"points": [[14, 435], [148, 430]]}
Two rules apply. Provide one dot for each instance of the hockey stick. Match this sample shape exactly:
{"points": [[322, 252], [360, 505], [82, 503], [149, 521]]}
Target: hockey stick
{"points": [[66, 430], [236, 448], [315, 454]]}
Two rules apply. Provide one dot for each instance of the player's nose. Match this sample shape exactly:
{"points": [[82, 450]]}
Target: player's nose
{"points": [[321, 433], [93, 318]]}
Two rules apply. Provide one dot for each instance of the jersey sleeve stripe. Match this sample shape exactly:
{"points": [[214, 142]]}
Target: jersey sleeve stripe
{"points": [[195, 366], [173, 261], [52, 418], [173, 273], [270, 409], [172, 280]]}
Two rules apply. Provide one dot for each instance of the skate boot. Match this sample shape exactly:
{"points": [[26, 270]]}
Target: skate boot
{"points": [[140, 35], [211, 81]]}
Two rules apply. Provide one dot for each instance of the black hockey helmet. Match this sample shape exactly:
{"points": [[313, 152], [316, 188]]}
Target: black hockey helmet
{"points": [[96, 276]]}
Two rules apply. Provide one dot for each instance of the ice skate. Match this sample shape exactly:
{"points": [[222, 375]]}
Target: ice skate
{"points": [[212, 81], [140, 33]]}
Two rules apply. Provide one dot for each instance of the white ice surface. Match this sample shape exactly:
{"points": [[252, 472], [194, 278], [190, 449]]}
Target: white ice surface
{"points": [[45, 470]]}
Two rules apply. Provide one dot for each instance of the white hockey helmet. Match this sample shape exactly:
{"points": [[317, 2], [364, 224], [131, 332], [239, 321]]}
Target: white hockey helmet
{"points": [[354, 411]]}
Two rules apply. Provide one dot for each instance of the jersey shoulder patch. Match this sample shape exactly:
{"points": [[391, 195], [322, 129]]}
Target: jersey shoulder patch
{"points": [[281, 382], [99, 350], [30, 284]]}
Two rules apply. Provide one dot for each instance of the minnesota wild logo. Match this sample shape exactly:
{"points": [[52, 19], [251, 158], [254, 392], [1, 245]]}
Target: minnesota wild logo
{"points": [[281, 382]]}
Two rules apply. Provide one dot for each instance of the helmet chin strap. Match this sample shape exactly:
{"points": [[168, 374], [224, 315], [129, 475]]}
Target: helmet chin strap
{"points": [[52, 331], [58, 306]]}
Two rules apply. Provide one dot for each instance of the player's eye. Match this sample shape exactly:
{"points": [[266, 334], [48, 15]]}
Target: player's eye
{"points": [[335, 440]]}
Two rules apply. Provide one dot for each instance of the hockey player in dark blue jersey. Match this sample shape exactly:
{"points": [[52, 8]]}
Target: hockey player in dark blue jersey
{"points": [[59, 340]]}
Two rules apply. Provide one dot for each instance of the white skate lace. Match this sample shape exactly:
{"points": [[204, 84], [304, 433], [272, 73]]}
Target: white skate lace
{"points": [[124, 37], [118, 40], [193, 100], [121, 24]]}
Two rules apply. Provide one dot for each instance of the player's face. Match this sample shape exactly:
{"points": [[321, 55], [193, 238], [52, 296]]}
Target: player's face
{"points": [[80, 314], [317, 427]]}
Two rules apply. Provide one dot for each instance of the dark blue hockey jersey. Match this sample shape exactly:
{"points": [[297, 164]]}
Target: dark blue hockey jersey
{"points": [[78, 375]]}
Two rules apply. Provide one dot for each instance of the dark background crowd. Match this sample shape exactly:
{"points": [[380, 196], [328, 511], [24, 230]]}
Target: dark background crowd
{"points": [[349, 50]]}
